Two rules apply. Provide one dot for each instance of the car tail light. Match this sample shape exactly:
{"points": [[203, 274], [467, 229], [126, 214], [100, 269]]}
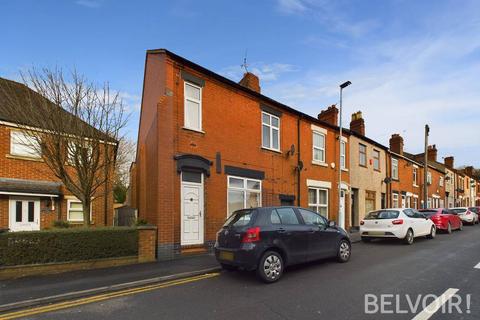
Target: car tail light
{"points": [[397, 221], [362, 223], [469, 212], [252, 235]]}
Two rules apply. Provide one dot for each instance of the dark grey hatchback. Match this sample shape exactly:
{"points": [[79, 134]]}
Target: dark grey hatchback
{"points": [[269, 239]]}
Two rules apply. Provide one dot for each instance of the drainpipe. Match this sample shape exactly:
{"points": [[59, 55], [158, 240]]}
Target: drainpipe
{"points": [[298, 162]]}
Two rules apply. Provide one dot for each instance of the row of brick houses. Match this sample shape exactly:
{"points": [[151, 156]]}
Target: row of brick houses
{"points": [[208, 146]]}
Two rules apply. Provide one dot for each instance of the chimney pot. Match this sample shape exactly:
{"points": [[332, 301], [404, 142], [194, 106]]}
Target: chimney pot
{"points": [[357, 124]]}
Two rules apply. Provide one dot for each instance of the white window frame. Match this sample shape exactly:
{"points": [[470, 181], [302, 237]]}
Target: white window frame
{"points": [[69, 202], [394, 199], [271, 128], [21, 140], [323, 150], [200, 120], [415, 177], [429, 178], [244, 189], [394, 168], [318, 204], [343, 155], [440, 182]]}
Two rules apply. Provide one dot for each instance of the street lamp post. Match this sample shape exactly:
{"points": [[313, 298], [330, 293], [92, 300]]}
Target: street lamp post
{"points": [[341, 213]]}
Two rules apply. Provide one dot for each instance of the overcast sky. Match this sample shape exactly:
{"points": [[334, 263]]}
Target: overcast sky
{"points": [[410, 62]]}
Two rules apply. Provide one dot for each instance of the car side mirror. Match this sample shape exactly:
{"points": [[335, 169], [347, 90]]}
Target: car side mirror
{"points": [[332, 224]]}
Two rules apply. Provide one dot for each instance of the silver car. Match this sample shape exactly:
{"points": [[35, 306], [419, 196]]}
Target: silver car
{"points": [[467, 215]]}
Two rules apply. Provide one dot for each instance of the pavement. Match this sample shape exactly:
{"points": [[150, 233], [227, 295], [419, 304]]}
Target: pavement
{"points": [[402, 279]]}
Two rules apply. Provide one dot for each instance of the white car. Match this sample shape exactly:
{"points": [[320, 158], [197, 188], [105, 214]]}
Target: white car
{"points": [[405, 224], [467, 215]]}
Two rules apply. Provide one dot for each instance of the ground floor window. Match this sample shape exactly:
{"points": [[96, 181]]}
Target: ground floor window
{"points": [[415, 203], [74, 210], [395, 200], [243, 193], [318, 200]]}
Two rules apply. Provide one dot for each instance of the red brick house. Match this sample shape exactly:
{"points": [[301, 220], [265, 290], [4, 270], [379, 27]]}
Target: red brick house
{"points": [[31, 197], [208, 146]]}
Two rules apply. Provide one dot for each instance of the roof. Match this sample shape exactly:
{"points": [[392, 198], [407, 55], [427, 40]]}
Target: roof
{"points": [[30, 186], [432, 164], [238, 86], [20, 94]]}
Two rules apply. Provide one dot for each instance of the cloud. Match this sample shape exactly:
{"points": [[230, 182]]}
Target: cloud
{"points": [[291, 6], [265, 71], [89, 3], [403, 83]]}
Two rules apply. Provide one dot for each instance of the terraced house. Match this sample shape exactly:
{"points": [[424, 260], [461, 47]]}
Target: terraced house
{"points": [[368, 171], [31, 197], [208, 146]]}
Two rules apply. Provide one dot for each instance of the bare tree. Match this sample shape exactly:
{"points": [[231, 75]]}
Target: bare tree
{"points": [[125, 156], [73, 124]]}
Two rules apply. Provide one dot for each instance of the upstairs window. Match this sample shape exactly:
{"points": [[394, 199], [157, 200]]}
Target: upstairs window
{"points": [[429, 178], [318, 147], [395, 168], [193, 107], [414, 176], [270, 131], [24, 145], [376, 160], [343, 148], [440, 182], [362, 157]]}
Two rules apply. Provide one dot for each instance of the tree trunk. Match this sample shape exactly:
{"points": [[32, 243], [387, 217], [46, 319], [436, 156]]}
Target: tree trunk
{"points": [[86, 212]]}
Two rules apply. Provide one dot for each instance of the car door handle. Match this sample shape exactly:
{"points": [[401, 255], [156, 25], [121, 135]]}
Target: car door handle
{"points": [[281, 230]]}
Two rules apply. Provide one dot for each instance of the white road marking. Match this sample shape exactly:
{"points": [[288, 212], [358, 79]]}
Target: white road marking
{"points": [[435, 305], [477, 266]]}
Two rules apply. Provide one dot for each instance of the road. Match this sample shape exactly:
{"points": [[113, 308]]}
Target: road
{"points": [[321, 290]]}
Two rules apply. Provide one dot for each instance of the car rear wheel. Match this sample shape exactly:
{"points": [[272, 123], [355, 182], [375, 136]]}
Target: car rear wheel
{"points": [[408, 237], [433, 233], [449, 228], [270, 268], [344, 251]]}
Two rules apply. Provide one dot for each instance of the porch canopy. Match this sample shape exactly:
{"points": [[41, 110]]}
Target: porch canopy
{"points": [[21, 187]]}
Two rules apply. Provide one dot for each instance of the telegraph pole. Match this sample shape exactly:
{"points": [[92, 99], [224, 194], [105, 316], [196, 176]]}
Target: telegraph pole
{"points": [[425, 170]]}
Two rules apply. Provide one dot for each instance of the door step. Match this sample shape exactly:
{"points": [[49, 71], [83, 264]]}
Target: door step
{"points": [[193, 250]]}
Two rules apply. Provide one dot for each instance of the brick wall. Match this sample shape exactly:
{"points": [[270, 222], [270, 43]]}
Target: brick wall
{"points": [[147, 243]]}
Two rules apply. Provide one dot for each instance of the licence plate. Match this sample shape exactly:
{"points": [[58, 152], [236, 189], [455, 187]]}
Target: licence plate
{"points": [[225, 255], [376, 233]]}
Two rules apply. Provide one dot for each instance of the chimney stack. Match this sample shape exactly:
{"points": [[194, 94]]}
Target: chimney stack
{"points": [[396, 144], [469, 171], [449, 162], [250, 81], [329, 116], [357, 124], [432, 153]]}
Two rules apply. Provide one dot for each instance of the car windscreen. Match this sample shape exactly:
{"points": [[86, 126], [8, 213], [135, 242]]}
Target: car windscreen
{"points": [[473, 209], [459, 210], [428, 213], [239, 218], [382, 214]]}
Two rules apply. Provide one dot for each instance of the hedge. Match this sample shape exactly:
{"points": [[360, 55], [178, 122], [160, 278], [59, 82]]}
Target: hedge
{"points": [[65, 245]]}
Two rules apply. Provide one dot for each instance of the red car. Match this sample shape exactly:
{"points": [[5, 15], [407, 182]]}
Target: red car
{"points": [[444, 219]]}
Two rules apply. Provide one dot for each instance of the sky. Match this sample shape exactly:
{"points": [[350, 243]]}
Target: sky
{"points": [[411, 63]]}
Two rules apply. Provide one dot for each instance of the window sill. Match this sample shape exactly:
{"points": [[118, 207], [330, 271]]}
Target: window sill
{"points": [[12, 156], [318, 163], [345, 169], [273, 150], [416, 185], [193, 130]]}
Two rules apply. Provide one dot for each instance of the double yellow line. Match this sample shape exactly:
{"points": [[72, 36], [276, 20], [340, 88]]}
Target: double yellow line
{"points": [[102, 297]]}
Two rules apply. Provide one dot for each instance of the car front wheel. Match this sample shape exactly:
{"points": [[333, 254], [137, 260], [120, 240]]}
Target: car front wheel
{"points": [[449, 228], [433, 233], [409, 237], [461, 226], [270, 268], [344, 251]]}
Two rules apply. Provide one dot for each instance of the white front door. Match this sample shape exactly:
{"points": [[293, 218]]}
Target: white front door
{"points": [[24, 214], [192, 208]]}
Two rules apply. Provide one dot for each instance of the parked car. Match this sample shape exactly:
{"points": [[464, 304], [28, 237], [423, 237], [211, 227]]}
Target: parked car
{"points": [[476, 210], [444, 219], [405, 224], [466, 215], [269, 239]]}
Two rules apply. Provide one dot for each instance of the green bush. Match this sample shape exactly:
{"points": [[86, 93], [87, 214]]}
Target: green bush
{"points": [[61, 224], [64, 245], [142, 222]]}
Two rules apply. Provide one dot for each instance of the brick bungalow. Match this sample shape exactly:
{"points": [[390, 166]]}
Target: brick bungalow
{"points": [[31, 197], [208, 146]]}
